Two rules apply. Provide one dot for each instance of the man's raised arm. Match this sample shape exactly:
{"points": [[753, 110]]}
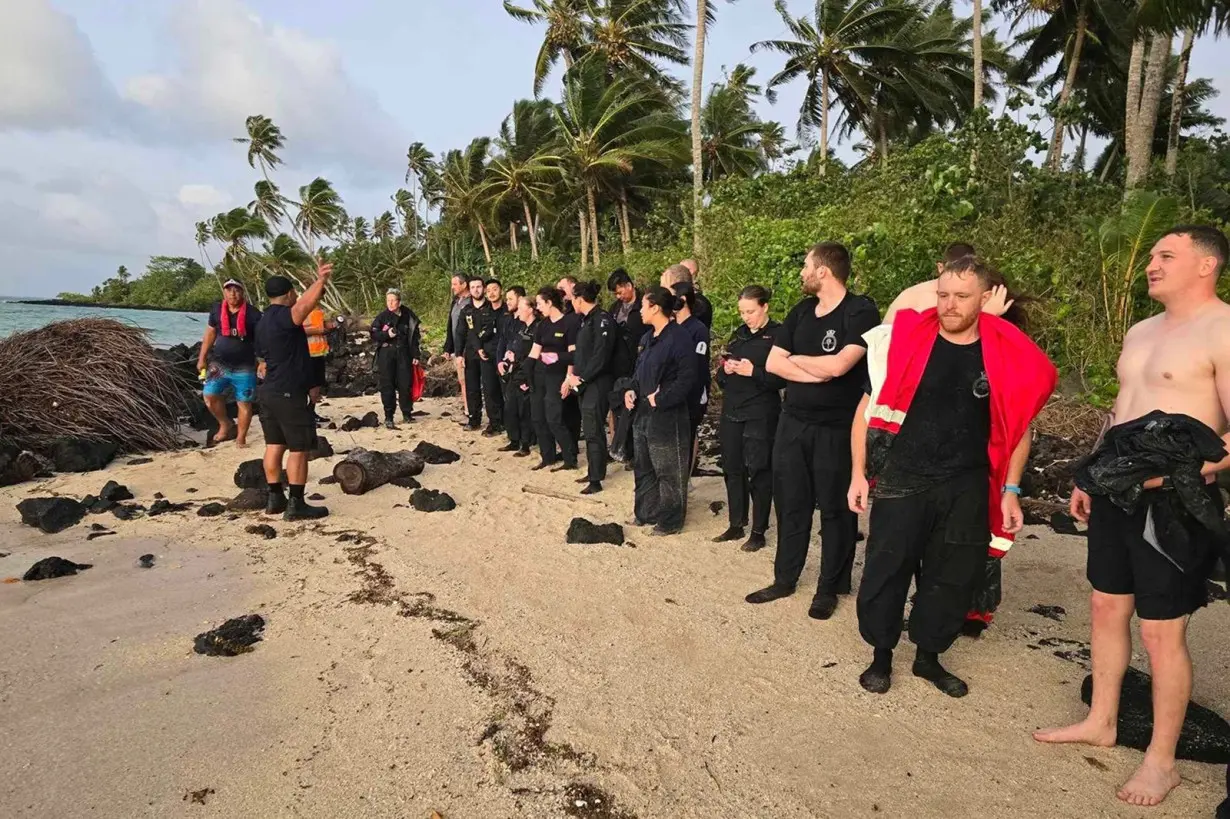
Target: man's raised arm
{"points": [[306, 303]]}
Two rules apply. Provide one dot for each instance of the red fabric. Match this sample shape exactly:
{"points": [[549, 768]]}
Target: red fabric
{"points": [[418, 382], [1020, 375], [241, 321]]}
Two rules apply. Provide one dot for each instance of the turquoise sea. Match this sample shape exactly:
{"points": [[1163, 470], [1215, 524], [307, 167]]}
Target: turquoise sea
{"points": [[165, 328]]}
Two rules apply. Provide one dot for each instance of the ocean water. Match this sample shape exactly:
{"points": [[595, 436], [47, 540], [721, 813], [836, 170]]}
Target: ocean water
{"points": [[164, 328]]}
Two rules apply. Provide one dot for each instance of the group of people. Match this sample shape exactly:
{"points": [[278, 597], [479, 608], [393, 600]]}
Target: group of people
{"points": [[921, 418]]}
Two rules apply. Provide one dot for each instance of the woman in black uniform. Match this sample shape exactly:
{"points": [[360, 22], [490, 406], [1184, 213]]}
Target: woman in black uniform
{"points": [[554, 344], [698, 401], [664, 377], [751, 404], [592, 378], [517, 369]]}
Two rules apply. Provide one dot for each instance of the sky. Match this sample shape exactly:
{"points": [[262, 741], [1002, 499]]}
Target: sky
{"points": [[116, 116]]}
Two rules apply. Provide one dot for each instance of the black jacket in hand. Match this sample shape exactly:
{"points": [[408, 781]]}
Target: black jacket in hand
{"points": [[1160, 445], [405, 324], [596, 342]]}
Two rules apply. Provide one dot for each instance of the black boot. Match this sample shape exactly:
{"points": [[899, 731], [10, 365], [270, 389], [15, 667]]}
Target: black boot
{"points": [[299, 509], [594, 488], [878, 677], [754, 543], [822, 606], [275, 504], [770, 593], [927, 665], [731, 533], [388, 424]]}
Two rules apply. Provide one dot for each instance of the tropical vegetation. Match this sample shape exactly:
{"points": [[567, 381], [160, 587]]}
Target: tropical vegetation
{"points": [[626, 165]]}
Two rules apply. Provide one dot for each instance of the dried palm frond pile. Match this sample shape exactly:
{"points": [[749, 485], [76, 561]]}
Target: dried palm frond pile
{"points": [[1072, 419], [94, 379]]}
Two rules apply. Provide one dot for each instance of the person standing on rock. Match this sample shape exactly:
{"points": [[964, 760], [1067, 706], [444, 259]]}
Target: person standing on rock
{"points": [[286, 413], [554, 344], [658, 401], [452, 348], [751, 405], [591, 379], [227, 361], [478, 340], [1177, 362], [946, 444], [516, 367], [397, 337], [820, 352]]}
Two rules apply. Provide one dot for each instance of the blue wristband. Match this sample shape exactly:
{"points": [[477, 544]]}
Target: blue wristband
{"points": [[1013, 488]]}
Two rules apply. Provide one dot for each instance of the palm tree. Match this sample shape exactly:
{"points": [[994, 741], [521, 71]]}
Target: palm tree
{"points": [[264, 139], [565, 20], [234, 229], [463, 189], [268, 203], [359, 231], [320, 211], [833, 51], [420, 163], [731, 133], [384, 227], [524, 171], [604, 128], [203, 234], [706, 15], [286, 257], [635, 36]]}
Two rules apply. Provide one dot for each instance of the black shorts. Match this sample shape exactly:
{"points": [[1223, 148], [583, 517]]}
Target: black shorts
{"points": [[1121, 561], [318, 371], [287, 420]]}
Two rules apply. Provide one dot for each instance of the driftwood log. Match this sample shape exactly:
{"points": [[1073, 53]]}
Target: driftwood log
{"points": [[362, 471]]}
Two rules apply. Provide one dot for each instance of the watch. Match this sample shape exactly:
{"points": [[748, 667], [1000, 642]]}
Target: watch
{"points": [[1013, 488]]}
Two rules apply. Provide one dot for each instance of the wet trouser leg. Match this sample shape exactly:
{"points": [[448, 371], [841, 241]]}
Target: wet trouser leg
{"points": [[474, 390], [795, 498], [554, 409], [593, 426], [730, 438], [517, 419], [667, 439], [386, 369], [942, 534], [572, 417], [645, 481], [538, 412], [493, 394], [405, 381]]}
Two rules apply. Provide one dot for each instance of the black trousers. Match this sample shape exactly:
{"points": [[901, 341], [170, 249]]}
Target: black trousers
{"points": [[593, 404], [395, 373], [942, 535], [483, 388], [552, 430], [518, 419], [811, 470], [747, 457], [572, 416], [661, 456]]}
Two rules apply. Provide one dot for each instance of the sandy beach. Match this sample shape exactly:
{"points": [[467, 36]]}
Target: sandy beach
{"points": [[473, 664]]}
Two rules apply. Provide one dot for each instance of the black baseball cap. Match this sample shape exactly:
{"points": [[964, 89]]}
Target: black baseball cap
{"points": [[277, 286]]}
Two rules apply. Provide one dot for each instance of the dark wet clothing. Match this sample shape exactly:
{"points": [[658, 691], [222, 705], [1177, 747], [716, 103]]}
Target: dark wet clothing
{"points": [[596, 344], [395, 357]]}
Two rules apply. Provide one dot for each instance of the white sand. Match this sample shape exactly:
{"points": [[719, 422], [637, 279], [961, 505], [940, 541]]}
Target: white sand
{"points": [[650, 676]]}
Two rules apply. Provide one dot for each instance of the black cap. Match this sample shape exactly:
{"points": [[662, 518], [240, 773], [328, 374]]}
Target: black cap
{"points": [[276, 286]]}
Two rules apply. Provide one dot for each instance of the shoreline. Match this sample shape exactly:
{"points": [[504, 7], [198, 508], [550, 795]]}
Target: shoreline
{"points": [[100, 305], [473, 663]]}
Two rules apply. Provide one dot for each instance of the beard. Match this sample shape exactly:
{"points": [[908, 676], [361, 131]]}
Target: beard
{"points": [[957, 323], [810, 286]]}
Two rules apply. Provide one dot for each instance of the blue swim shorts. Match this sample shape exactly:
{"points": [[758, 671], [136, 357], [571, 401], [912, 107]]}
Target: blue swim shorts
{"points": [[240, 383]]}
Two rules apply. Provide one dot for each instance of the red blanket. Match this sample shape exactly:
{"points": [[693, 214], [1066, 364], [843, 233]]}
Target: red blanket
{"points": [[1020, 375], [241, 321]]}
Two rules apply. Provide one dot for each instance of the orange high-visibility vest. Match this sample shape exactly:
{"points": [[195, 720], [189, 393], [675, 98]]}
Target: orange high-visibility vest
{"points": [[317, 345]]}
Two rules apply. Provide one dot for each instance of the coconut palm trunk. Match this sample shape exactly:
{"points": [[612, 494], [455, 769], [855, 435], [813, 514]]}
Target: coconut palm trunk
{"points": [[624, 224], [698, 78], [1176, 105], [532, 228], [1152, 85], [883, 142], [977, 36], [1136, 65], [512, 236], [824, 120], [1074, 61], [482, 234], [593, 219], [584, 237]]}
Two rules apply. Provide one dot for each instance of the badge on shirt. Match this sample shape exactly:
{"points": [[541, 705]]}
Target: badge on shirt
{"points": [[701, 348], [982, 387], [829, 342]]}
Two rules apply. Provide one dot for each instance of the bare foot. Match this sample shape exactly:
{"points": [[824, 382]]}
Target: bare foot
{"points": [[241, 443], [1149, 785], [1085, 733], [224, 434]]}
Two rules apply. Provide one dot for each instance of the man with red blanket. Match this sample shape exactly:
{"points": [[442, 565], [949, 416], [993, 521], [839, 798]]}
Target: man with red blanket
{"points": [[946, 444]]}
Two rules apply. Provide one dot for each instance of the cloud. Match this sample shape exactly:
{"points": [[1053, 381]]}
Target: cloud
{"points": [[232, 64], [49, 76]]}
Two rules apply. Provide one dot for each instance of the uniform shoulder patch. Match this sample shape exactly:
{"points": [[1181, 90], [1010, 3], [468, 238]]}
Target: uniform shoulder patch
{"points": [[701, 348]]}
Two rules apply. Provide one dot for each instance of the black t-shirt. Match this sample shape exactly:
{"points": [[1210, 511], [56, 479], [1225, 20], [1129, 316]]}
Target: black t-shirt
{"points": [[556, 337], [283, 345], [948, 425], [803, 333], [234, 351]]}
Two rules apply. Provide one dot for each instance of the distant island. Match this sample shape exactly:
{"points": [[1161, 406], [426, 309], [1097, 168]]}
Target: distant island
{"points": [[103, 304]]}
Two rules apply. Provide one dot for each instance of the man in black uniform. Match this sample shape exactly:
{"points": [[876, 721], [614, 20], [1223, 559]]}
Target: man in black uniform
{"points": [[285, 412], [626, 311], [591, 377], [820, 351], [479, 336], [685, 273], [516, 367]]}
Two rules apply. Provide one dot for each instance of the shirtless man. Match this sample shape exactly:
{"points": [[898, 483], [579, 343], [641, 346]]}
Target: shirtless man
{"points": [[921, 296], [1176, 362]]}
